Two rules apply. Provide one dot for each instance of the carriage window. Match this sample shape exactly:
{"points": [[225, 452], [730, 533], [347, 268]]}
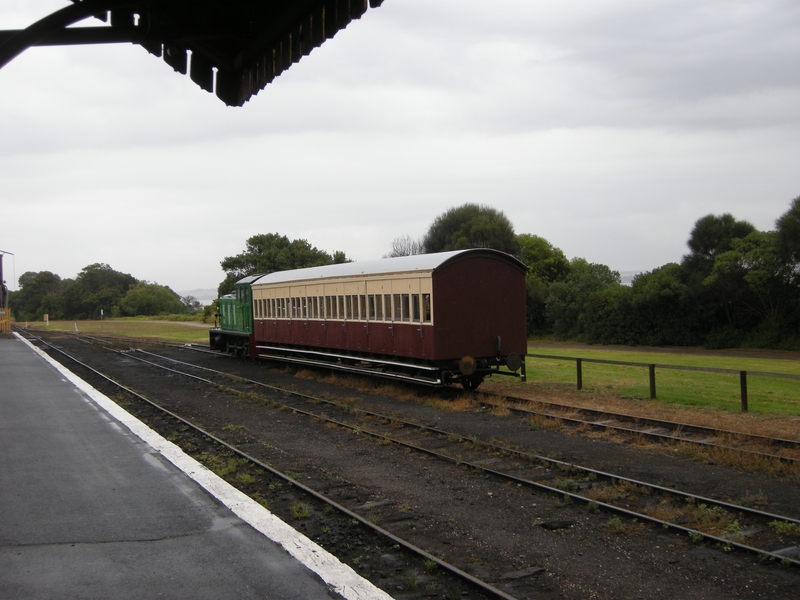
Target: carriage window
{"points": [[341, 306], [315, 303], [362, 307], [387, 305], [415, 308], [348, 301], [378, 308], [371, 303], [396, 307], [405, 306], [328, 311], [426, 308]]}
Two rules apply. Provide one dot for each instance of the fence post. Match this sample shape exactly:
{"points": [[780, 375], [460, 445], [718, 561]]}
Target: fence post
{"points": [[652, 369], [743, 386], [579, 370]]}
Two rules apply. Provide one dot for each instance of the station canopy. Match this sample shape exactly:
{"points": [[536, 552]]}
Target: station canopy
{"points": [[232, 48]]}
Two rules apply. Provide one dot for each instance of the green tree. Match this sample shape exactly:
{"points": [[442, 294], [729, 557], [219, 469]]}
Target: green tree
{"points": [[719, 302], [470, 226], [546, 264], [712, 235], [97, 287], [788, 228], [768, 282], [150, 299], [36, 296], [566, 307], [266, 253], [663, 312]]}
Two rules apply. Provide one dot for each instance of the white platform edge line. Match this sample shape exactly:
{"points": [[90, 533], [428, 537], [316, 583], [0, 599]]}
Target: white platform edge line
{"points": [[338, 576]]}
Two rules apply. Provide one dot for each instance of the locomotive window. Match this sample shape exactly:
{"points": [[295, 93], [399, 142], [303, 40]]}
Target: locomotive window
{"points": [[362, 307], [415, 308], [405, 306]]}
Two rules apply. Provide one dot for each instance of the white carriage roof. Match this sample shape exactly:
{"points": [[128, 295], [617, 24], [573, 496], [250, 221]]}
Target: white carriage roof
{"points": [[386, 266]]}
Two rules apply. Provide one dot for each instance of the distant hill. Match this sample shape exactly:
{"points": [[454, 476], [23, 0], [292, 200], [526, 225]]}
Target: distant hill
{"points": [[627, 276], [204, 296]]}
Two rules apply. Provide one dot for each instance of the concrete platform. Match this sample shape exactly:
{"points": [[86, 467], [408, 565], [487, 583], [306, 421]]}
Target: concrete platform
{"points": [[93, 504]]}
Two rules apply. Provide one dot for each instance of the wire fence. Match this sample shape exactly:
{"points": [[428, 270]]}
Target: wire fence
{"points": [[651, 370]]}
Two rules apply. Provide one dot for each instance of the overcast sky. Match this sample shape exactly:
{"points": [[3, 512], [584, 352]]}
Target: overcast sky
{"points": [[607, 127]]}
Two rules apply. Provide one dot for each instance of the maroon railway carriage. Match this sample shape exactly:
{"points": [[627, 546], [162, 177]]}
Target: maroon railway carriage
{"points": [[431, 318]]}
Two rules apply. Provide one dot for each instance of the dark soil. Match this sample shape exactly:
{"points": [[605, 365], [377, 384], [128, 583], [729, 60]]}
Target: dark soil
{"points": [[532, 544]]}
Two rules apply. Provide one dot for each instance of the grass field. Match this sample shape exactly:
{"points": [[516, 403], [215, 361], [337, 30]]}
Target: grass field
{"points": [[688, 388], [186, 332]]}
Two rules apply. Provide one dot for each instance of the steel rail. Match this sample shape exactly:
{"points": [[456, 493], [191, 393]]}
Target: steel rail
{"points": [[440, 432], [675, 437], [478, 466], [454, 570], [676, 425]]}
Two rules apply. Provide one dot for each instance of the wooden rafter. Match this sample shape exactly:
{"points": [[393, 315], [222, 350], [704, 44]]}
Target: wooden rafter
{"points": [[232, 48]]}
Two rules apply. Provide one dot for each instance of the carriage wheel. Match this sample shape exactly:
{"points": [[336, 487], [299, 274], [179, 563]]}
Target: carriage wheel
{"points": [[472, 383]]}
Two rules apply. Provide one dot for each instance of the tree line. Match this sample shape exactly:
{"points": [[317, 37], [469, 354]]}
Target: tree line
{"points": [[736, 286], [97, 287]]}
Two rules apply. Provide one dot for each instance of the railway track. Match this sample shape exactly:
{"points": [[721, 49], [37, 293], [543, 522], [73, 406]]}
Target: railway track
{"points": [[655, 429], [645, 427], [726, 524], [165, 420], [730, 526]]}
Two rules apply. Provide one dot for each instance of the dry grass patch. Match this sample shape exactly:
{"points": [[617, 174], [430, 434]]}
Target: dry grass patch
{"points": [[603, 399]]}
